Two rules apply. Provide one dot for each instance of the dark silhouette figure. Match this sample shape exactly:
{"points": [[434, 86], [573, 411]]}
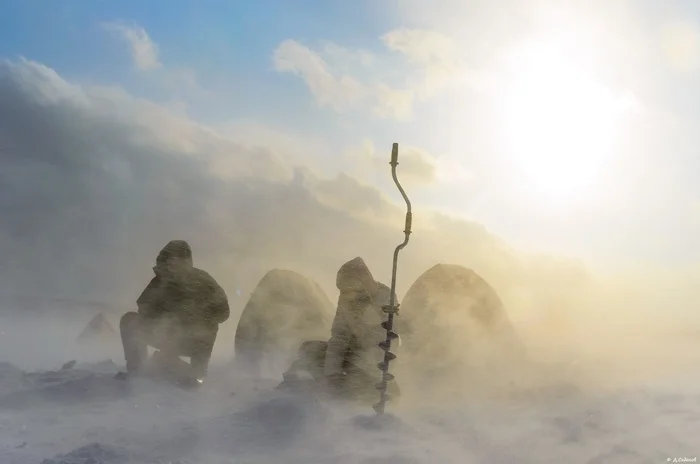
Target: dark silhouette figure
{"points": [[179, 314], [347, 363]]}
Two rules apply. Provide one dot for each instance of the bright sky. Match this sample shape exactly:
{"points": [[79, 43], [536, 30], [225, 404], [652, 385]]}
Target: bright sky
{"points": [[567, 128]]}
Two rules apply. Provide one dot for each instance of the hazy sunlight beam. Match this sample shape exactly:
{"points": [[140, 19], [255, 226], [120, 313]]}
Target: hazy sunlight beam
{"points": [[560, 123]]}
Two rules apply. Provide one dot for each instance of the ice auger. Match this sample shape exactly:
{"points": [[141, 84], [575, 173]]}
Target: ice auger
{"points": [[393, 307]]}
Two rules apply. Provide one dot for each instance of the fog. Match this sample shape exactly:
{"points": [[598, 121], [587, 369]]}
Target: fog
{"points": [[94, 182]]}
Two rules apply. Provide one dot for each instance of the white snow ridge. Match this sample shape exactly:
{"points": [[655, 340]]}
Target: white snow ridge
{"points": [[558, 413]]}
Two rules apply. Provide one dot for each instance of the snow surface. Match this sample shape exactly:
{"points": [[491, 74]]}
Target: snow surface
{"points": [[82, 415]]}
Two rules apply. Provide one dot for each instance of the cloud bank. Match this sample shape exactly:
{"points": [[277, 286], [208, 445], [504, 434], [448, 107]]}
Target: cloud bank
{"points": [[93, 182]]}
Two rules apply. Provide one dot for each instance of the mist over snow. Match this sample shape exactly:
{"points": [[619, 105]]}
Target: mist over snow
{"points": [[94, 181]]}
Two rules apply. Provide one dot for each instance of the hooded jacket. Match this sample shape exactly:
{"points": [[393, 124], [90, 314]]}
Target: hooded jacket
{"points": [[182, 291], [356, 329]]}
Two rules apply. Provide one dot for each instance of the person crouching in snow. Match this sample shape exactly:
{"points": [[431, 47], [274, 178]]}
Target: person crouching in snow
{"points": [[353, 353], [179, 313], [347, 363]]}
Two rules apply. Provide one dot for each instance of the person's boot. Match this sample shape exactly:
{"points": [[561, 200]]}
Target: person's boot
{"points": [[200, 354], [135, 349], [199, 366]]}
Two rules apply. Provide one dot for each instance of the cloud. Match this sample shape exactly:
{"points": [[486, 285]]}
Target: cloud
{"points": [[424, 47], [417, 166], [338, 77], [294, 148], [347, 59], [180, 84], [144, 51], [339, 92], [336, 90], [111, 178], [435, 53]]}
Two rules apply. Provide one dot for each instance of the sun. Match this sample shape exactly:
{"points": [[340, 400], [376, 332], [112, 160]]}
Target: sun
{"points": [[560, 123]]}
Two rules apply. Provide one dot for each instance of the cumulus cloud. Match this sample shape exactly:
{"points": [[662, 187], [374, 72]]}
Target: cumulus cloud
{"points": [[144, 51], [336, 75]]}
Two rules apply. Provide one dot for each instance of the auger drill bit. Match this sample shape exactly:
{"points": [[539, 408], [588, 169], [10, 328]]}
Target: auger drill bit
{"points": [[393, 307]]}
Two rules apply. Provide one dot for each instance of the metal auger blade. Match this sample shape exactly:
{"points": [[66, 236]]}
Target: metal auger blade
{"points": [[389, 329], [384, 365], [383, 383]]}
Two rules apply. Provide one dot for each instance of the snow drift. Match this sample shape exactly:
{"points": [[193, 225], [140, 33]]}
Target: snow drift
{"points": [[83, 415], [232, 420]]}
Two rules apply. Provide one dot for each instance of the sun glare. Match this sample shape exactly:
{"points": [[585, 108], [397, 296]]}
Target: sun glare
{"points": [[560, 122]]}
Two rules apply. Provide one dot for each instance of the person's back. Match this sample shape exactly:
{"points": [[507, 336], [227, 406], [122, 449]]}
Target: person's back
{"points": [[357, 330], [178, 312], [191, 294], [179, 288]]}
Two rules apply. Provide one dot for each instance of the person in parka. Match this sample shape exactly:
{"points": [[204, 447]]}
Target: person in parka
{"points": [[179, 313], [348, 361]]}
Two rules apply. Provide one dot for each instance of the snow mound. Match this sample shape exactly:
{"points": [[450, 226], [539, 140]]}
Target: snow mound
{"points": [[98, 328], [94, 453]]}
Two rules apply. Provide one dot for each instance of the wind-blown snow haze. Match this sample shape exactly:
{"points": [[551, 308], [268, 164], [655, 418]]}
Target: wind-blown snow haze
{"points": [[587, 345]]}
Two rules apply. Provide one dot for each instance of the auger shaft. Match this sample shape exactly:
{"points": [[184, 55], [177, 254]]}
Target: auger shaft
{"points": [[393, 307]]}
